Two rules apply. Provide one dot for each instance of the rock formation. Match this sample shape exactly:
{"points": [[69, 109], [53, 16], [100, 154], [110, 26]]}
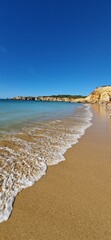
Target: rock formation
{"points": [[99, 95], [50, 98]]}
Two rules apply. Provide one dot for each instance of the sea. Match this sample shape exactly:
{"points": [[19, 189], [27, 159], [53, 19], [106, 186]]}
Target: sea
{"points": [[34, 135]]}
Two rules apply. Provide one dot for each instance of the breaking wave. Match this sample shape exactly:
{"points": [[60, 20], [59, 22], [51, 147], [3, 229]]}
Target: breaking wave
{"points": [[26, 154]]}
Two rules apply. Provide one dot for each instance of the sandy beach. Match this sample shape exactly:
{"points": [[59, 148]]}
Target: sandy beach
{"points": [[73, 200]]}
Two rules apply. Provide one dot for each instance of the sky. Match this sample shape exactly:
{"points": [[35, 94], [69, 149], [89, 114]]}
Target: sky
{"points": [[54, 46]]}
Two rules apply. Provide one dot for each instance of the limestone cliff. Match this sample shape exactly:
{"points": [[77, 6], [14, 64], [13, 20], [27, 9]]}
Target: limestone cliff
{"points": [[100, 95], [50, 98], [61, 99]]}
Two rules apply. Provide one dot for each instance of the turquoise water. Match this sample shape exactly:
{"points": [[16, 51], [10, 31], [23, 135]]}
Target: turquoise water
{"points": [[34, 135], [15, 113]]}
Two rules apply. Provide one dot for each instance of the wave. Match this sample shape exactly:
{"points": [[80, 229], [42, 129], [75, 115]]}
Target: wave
{"points": [[26, 154]]}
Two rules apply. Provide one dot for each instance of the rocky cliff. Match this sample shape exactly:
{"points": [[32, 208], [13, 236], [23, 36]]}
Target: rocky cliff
{"points": [[99, 95], [50, 98], [61, 99]]}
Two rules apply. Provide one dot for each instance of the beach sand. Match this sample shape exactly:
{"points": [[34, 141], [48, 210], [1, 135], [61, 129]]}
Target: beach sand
{"points": [[73, 200]]}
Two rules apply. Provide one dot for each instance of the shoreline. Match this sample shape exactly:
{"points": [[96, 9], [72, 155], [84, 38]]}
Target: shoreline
{"points": [[56, 207], [43, 150]]}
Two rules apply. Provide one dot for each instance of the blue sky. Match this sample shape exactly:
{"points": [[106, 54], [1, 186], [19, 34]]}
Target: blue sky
{"points": [[54, 47]]}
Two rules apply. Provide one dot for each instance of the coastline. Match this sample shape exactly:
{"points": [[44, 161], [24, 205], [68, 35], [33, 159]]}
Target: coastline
{"points": [[32, 149], [72, 201]]}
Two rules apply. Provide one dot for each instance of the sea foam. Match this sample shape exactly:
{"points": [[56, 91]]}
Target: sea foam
{"points": [[25, 155]]}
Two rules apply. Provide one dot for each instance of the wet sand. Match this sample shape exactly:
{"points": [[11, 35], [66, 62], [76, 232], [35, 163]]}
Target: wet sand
{"points": [[73, 200]]}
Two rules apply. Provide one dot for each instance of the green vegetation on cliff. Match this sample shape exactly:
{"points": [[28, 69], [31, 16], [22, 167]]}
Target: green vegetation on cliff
{"points": [[67, 96]]}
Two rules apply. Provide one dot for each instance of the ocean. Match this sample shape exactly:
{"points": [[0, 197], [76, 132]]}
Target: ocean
{"points": [[34, 135]]}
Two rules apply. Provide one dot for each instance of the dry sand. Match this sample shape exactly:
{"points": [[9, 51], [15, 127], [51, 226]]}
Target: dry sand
{"points": [[73, 200]]}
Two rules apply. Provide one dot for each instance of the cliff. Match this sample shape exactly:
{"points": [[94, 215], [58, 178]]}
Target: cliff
{"points": [[61, 99], [51, 98], [99, 95]]}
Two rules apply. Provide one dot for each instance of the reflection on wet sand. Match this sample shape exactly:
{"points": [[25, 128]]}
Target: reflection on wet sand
{"points": [[104, 111]]}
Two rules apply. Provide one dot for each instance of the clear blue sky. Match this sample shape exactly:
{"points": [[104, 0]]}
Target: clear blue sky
{"points": [[54, 46]]}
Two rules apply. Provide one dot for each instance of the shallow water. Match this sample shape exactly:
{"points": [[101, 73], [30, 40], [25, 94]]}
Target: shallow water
{"points": [[16, 113], [34, 135]]}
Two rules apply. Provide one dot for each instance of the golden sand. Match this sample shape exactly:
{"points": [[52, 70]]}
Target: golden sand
{"points": [[73, 200]]}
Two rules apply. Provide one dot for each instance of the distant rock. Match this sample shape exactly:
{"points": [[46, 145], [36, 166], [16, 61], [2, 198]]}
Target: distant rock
{"points": [[50, 98], [23, 98], [60, 99]]}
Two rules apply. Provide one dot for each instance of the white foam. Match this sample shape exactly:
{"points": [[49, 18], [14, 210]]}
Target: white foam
{"points": [[7, 198], [23, 167]]}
